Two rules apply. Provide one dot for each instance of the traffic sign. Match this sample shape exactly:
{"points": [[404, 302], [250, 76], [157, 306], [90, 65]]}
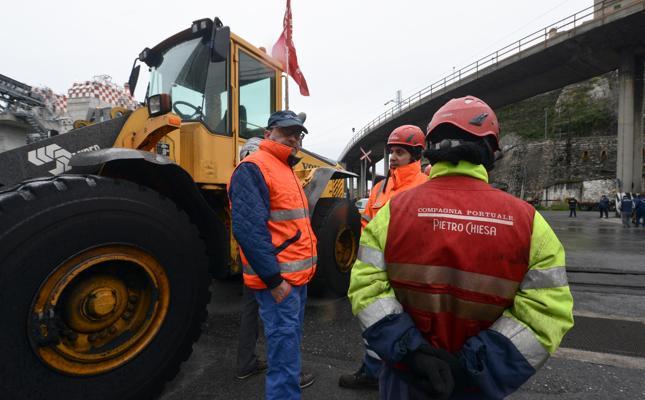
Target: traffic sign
{"points": [[366, 155]]}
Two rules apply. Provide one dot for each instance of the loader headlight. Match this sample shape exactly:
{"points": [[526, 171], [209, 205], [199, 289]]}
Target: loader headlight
{"points": [[144, 55], [159, 104], [201, 25], [151, 57]]}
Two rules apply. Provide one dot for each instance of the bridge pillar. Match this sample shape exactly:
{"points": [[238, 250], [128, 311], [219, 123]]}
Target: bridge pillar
{"points": [[355, 187], [629, 169], [386, 160], [373, 174], [362, 180]]}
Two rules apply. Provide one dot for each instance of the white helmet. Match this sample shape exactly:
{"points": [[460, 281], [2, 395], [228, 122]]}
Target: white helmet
{"points": [[249, 147]]}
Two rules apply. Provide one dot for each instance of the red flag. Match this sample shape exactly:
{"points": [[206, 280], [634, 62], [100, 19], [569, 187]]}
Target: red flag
{"points": [[284, 47]]}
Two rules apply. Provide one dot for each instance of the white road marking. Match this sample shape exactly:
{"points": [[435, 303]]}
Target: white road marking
{"points": [[588, 314], [593, 357]]}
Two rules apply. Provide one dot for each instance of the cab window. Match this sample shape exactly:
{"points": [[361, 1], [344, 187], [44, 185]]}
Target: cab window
{"points": [[257, 95], [216, 99], [197, 87]]}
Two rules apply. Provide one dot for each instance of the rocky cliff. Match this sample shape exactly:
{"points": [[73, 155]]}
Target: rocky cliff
{"points": [[561, 143]]}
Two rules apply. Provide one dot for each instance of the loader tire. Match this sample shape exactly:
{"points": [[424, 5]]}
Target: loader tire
{"points": [[337, 225], [103, 289]]}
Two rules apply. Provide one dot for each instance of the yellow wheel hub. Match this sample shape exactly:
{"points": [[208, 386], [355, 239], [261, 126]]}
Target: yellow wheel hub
{"points": [[345, 249], [95, 303], [100, 303], [99, 310]]}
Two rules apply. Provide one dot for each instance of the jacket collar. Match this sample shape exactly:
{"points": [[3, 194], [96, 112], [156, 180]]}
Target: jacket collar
{"points": [[405, 174], [464, 168], [280, 151]]}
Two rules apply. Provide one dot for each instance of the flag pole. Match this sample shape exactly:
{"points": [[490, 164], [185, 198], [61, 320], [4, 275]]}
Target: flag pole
{"points": [[286, 83]]}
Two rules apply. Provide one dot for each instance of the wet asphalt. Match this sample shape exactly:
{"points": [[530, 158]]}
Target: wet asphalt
{"points": [[603, 357]]}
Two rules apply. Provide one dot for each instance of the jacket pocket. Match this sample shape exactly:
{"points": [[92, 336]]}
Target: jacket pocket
{"points": [[288, 242]]}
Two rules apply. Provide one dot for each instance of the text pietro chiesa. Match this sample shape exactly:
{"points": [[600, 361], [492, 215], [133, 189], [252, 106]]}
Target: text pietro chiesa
{"points": [[471, 222]]}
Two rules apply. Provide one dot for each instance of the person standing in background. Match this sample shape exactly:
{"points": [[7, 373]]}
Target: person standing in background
{"points": [[573, 204], [626, 208], [603, 206]]}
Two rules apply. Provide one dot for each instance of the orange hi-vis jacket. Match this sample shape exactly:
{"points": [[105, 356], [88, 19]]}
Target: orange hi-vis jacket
{"points": [[401, 179], [288, 224]]}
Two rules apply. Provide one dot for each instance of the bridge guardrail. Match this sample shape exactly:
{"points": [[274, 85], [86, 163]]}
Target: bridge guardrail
{"points": [[541, 36]]}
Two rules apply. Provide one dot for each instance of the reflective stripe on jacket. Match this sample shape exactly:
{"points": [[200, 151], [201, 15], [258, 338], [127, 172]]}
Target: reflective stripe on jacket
{"points": [[288, 222], [400, 180], [502, 293]]}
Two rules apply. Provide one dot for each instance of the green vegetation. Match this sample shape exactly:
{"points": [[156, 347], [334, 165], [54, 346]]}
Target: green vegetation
{"points": [[559, 206], [526, 118], [582, 109]]}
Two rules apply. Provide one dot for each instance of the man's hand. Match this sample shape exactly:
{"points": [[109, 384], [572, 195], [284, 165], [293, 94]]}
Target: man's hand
{"points": [[457, 368], [432, 374], [281, 291]]}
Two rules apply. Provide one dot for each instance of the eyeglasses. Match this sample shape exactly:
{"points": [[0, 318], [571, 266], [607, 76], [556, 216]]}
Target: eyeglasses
{"points": [[291, 131]]}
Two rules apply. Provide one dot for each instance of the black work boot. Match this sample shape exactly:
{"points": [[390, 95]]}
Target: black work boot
{"points": [[358, 380], [259, 367]]}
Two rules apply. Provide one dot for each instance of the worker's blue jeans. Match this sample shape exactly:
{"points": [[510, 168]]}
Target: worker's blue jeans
{"points": [[371, 366], [283, 332]]}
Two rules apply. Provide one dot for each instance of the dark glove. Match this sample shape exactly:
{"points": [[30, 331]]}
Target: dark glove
{"points": [[431, 374], [457, 368]]}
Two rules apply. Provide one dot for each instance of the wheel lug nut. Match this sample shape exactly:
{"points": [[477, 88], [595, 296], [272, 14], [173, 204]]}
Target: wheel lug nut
{"points": [[103, 334], [126, 315], [130, 307], [93, 337], [112, 329], [133, 298]]}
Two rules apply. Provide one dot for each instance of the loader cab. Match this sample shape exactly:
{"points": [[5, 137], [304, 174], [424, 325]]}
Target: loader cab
{"points": [[223, 89]]}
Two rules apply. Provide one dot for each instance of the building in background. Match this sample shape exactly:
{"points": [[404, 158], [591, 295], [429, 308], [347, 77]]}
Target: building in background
{"points": [[29, 114]]}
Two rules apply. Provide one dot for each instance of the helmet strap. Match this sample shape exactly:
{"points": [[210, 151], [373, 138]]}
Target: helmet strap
{"points": [[387, 178]]}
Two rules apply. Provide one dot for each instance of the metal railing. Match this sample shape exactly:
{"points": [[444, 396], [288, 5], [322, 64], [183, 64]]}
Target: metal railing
{"points": [[541, 36]]}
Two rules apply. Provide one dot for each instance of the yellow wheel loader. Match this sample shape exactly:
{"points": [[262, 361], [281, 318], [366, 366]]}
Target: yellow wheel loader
{"points": [[109, 234]]}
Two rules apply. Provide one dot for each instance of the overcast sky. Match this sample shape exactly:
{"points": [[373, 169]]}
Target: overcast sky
{"points": [[354, 54]]}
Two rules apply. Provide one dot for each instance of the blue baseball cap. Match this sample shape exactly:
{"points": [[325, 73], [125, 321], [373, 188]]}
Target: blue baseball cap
{"points": [[285, 119]]}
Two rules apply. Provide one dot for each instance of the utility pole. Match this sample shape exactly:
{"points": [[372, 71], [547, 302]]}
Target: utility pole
{"points": [[398, 99], [546, 121]]}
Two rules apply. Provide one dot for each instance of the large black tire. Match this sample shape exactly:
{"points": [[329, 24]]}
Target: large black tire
{"points": [[336, 222], [46, 221]]}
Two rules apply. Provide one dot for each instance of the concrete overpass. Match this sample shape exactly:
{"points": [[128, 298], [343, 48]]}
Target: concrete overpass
{"points": [[607, 36]]}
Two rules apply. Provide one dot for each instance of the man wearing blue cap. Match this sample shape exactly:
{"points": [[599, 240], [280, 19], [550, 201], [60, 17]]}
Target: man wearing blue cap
{"points": [[270, 219]]}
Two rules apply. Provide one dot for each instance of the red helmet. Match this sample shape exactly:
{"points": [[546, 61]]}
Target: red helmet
{"points": [[407, 135], [470, 114]]}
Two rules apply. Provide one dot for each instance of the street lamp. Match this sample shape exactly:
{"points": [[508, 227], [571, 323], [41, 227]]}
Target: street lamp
{"points": [[397, 100]]}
